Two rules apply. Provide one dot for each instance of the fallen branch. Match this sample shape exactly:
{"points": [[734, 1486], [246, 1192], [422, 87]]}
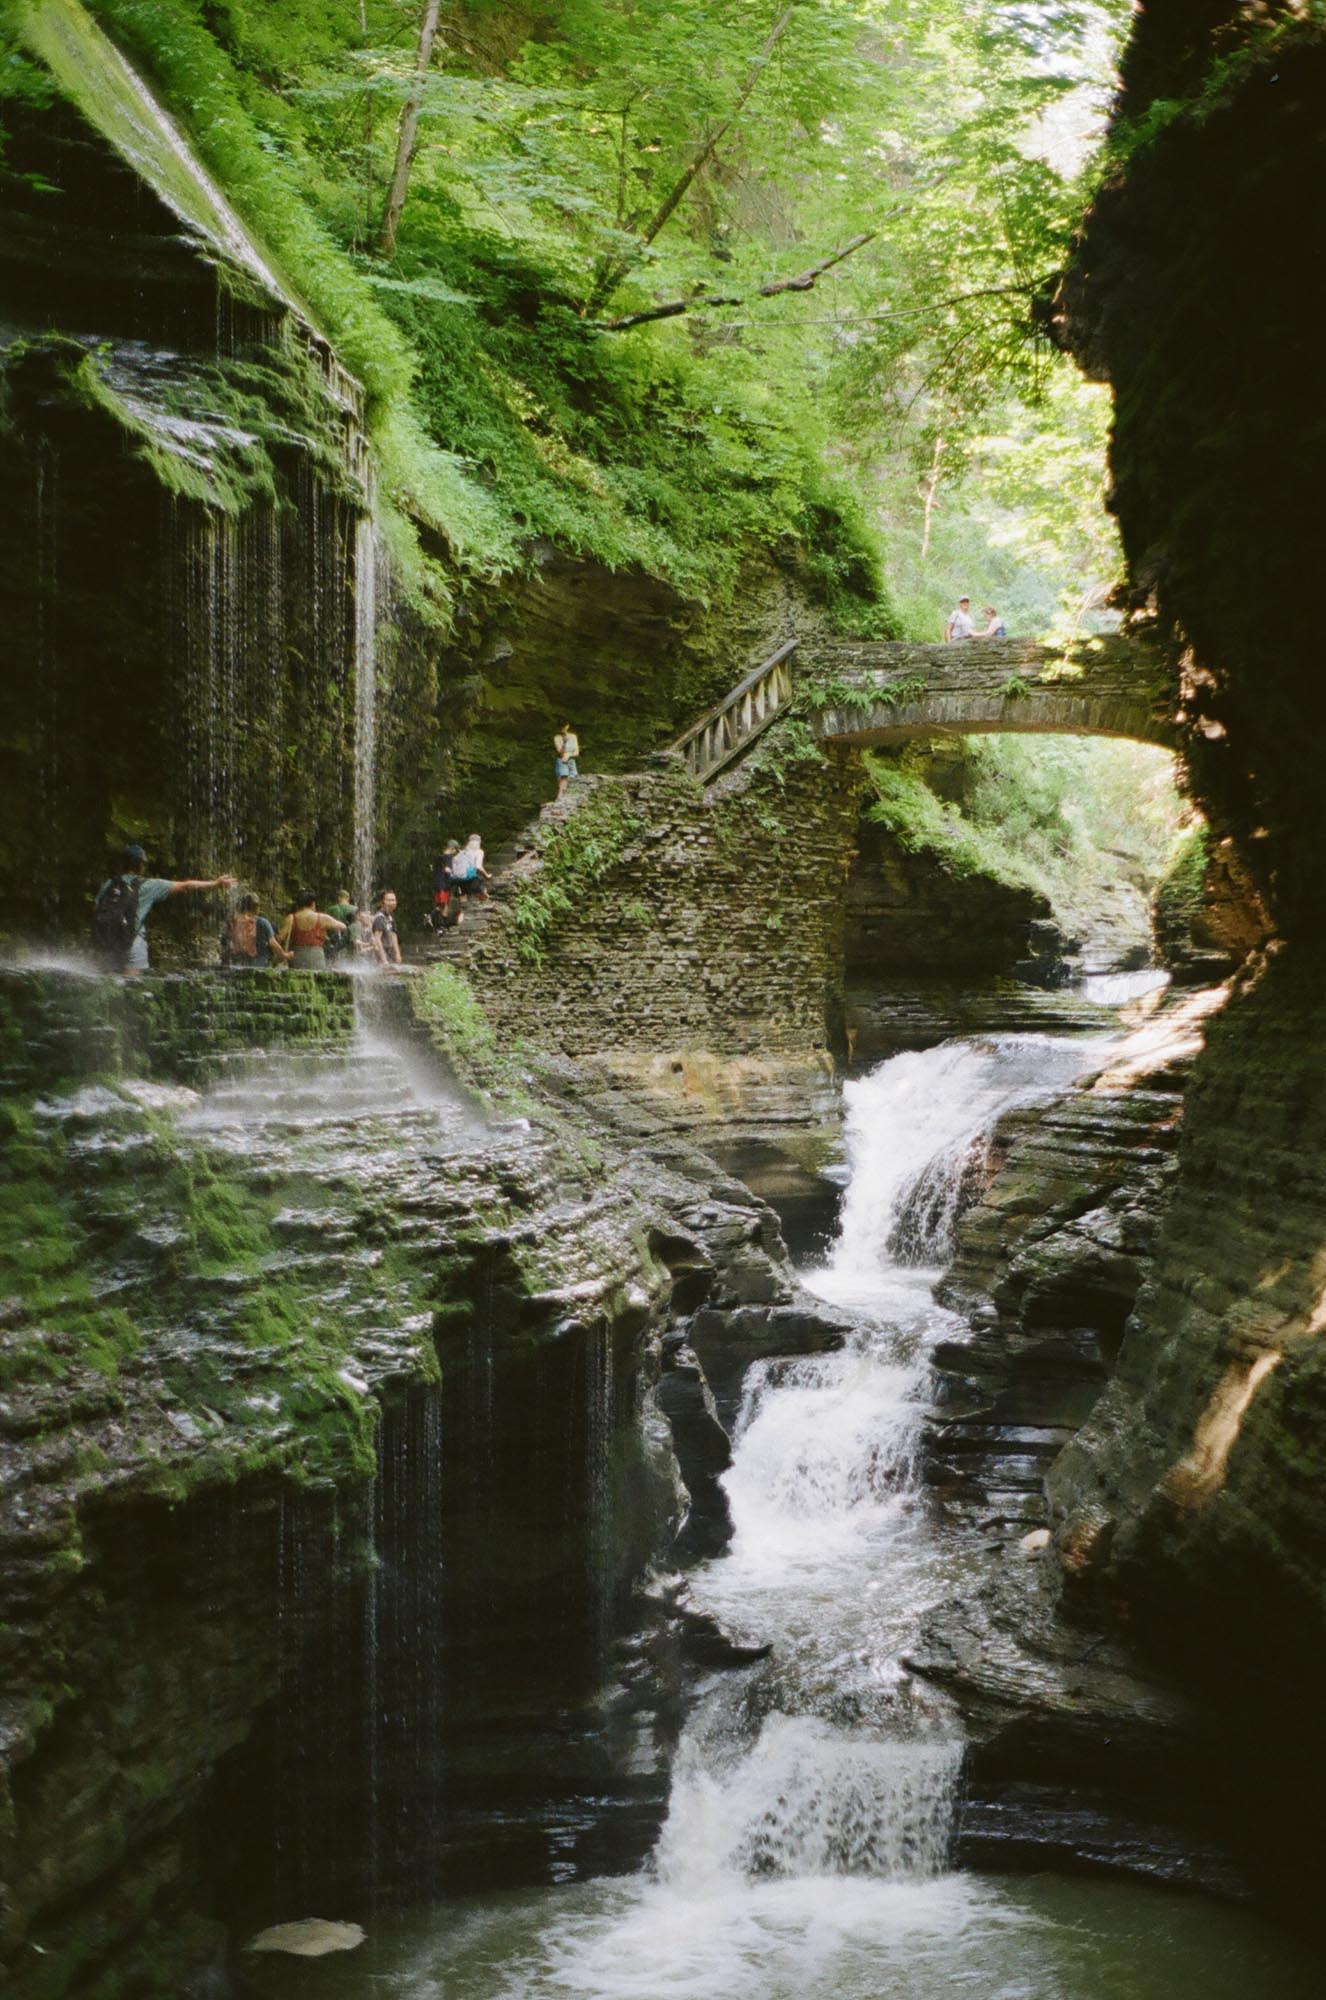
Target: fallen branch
{"points": [[804, 281]]}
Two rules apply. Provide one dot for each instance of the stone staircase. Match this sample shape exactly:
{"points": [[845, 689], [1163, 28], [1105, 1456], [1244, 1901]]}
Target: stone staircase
{"points": [[709, 747], [506, 865]]}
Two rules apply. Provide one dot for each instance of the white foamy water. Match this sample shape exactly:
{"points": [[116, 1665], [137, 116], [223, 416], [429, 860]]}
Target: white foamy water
{"points": [[1117, 989], [916, 1129], [806, 1852]]}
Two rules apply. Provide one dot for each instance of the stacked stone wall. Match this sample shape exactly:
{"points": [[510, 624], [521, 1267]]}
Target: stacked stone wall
{"points": [[717, 925]]}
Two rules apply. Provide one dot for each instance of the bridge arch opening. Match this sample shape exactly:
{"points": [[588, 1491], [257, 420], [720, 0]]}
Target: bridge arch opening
{"points": [[996, 876]]}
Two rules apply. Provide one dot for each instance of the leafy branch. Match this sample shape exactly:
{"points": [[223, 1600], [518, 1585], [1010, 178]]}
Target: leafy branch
{"points": [[612, 272]]}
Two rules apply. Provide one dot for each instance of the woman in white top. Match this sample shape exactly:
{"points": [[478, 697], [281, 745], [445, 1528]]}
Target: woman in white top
{"points": [[566, 748], [467, 869], [960, 624]]}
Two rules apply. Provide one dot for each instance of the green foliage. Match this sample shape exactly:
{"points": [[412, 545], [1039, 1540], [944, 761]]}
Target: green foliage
{"points": [[1068, 817], [831, 692], [500, 414], [579, 853], [549, 138], [1015, 685], [1179, 896], [443, 998], [922, 823]]}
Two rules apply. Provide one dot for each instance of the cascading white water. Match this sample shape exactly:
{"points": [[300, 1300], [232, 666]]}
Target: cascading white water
{"points": [[366, 707], [914, 1128], [806, 1853]]}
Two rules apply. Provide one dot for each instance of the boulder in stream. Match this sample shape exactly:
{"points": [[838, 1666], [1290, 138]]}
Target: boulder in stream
{"points": [[310, 1937]]}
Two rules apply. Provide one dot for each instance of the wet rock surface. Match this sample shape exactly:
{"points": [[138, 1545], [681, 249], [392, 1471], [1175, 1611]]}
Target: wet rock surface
{"points": [[1083, 1751], [1077, 1756], [222, 1425]]}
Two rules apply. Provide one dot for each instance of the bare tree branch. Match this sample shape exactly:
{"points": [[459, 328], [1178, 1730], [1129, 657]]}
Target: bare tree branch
{"points": [[611, 274], [803, 282]]}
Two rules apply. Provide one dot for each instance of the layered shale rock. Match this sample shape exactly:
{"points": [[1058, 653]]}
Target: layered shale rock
{"points": [[333, 1457]]}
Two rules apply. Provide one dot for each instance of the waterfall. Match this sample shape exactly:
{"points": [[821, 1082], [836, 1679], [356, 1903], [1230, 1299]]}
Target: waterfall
{"points": [[813, 1799], [917, 1132], [366, 706]]}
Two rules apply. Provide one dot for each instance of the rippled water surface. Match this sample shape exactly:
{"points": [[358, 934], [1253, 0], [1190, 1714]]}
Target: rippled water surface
{"points": [[821, 1938]]}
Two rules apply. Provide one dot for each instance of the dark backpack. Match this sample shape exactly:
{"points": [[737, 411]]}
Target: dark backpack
{"points": [[115, 922]]}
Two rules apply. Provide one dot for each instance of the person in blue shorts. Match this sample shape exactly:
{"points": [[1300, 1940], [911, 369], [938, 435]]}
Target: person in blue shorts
{"points": [[566, 749]]}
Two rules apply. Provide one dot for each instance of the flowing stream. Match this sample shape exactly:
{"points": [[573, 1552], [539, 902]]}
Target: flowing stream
{"points": [[807, 1849]]}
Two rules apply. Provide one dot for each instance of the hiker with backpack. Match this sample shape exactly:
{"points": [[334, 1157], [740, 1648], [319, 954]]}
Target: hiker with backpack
{"points": [[467, 869], [442, 916], [124, 902], [251, 939]]}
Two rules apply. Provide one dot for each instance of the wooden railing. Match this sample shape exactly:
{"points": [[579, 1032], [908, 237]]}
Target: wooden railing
{"points": [[711, 744]]}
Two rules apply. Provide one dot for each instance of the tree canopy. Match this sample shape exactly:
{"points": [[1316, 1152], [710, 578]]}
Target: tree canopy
{"points": [[657, 279]]}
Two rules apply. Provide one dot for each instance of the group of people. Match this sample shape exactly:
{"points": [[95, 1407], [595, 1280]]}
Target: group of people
{"points": [[308, 938], [458, 875], [311, 938], [961, 624]]}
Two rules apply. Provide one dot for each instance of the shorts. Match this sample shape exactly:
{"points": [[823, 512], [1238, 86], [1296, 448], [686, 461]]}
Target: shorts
{"points": [[565, 767], [137, 959]]}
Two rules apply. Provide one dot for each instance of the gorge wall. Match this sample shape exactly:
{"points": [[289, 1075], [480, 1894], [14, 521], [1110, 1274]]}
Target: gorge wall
{"points": [[1184, 1509], [332, 1464]]}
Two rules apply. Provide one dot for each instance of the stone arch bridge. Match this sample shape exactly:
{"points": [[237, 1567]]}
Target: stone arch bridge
{"points": [[865, 692]]}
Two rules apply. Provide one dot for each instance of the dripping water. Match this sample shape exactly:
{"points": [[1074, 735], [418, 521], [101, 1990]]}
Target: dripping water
{"points": [[366, 698]]}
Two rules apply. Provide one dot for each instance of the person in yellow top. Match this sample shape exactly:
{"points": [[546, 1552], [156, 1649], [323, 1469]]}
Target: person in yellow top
{"points": [[566, 748]]}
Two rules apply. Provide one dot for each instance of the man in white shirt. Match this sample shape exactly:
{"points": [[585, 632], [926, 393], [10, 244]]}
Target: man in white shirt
{"points": [[960, 625]]}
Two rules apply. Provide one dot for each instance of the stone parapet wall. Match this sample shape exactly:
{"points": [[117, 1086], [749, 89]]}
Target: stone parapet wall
{"points": [[713, 921], [1111, 686]]}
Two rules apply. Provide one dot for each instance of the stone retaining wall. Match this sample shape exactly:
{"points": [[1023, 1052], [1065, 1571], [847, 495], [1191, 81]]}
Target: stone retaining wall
{"points": [[715, 924]]}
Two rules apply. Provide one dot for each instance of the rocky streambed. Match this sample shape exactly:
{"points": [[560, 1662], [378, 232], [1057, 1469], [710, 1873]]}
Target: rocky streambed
{"points": [[362, 1427]]}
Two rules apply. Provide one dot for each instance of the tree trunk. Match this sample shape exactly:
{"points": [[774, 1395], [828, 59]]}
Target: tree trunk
{"points": [[931, 493], [612, 274], [408, 132]]}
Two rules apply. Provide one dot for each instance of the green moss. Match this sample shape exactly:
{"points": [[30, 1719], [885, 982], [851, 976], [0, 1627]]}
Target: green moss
{"points": [[1178, 898], [577, 854], [923, 823]]}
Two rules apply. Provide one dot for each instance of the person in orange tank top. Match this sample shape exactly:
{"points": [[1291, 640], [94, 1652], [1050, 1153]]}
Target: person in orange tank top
{"points": [[305, 932]]}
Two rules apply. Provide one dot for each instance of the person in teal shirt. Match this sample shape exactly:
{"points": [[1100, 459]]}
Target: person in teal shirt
{"points": [[152, 889]]}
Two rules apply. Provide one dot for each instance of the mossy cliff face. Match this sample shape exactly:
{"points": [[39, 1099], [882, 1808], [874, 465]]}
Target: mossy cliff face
{"points": [[327, 1397], [253, 615], [1189, 295], [1188, 1507], [187, 486]]}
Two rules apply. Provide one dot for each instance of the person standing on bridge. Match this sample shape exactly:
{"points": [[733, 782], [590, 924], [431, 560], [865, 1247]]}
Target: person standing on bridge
{"points": [[995, 627], [960, 625]]}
